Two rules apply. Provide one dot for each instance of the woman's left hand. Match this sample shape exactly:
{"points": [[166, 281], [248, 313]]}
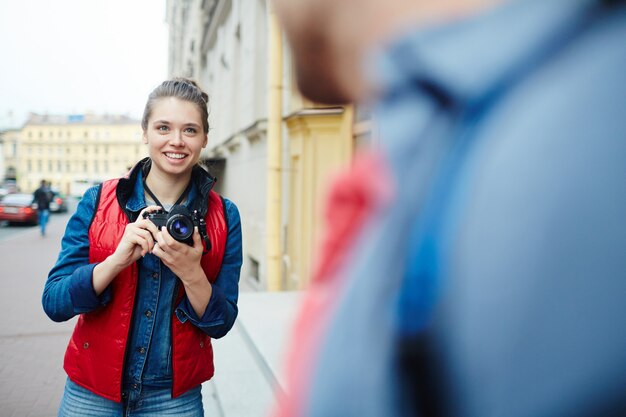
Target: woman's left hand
{"points": [[182, 259]]}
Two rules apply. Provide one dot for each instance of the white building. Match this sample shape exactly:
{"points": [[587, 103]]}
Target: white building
{"points": [[226, 46]]}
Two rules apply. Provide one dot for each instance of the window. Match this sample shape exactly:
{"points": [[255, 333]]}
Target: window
{"points": [[254, 269]]}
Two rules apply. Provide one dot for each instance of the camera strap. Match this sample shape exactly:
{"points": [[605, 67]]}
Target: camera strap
{"points": [[156, 200]]}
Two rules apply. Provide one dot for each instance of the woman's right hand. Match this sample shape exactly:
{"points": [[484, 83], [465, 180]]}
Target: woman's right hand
{"points": [[137, 240]]}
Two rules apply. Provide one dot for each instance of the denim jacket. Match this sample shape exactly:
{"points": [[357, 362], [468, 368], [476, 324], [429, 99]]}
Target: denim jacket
{"points": [[69, 291]]}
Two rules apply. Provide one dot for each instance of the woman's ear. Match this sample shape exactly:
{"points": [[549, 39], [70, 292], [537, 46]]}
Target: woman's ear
{"points": [[144, 137], [206, 140]]}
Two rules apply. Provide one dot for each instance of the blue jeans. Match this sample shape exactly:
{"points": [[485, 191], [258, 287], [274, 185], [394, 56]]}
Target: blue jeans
{"points": [[43, 220], [142, 402]]}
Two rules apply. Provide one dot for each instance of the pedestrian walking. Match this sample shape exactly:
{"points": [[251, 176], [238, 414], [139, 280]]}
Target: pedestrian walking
{"points": [[473, 265], [150, 263], [42, 198]]}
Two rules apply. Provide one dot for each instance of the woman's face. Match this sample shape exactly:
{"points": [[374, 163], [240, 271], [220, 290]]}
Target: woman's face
{"points": [[174, 136]]}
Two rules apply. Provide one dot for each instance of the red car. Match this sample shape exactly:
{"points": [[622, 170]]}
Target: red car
{"points": [[18, 208]]}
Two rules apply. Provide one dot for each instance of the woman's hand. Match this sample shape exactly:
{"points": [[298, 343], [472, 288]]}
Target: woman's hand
{"points": [[137, 241], [182, 259]]}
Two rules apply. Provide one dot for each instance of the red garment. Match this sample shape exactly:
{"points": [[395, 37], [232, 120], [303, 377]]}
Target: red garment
{"points": [[95, 355], [354, 199]]}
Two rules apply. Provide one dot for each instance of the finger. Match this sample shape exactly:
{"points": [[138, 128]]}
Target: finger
{"points": [[140, 241], [136, 229], [196, 237], [158, 251], [160, 240], [148, 237], [148, 225], [167, 239], [147, 210]]}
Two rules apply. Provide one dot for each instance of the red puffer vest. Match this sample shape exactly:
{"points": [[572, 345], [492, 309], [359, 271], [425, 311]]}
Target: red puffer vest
{"points": [[95, 355]]}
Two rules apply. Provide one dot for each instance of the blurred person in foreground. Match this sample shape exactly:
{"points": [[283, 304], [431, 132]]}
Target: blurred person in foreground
{"points": [[42, 198], [473, 264], [150, 288]]}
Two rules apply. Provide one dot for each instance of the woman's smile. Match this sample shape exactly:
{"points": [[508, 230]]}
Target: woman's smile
{"points": [[175, 155]]}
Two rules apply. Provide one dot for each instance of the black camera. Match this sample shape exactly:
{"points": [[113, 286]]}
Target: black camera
{"points": [[180, 223]]}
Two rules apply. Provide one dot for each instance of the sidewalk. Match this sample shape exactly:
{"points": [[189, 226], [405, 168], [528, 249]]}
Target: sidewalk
{"points": [[249, 360]]}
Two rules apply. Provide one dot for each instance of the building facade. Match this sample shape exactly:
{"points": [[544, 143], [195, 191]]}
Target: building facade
{"points": [[271, 150], [73, 152], [9, 140]]}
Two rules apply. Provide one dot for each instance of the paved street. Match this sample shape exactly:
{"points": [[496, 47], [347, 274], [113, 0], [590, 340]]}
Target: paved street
{"points": [[247, 360], [32, 346]]}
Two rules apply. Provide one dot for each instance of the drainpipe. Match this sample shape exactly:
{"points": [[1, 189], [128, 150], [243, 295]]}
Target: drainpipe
{"points": [[274, 143]]}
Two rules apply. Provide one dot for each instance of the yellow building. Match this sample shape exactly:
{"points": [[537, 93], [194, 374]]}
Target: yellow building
{"points": [[76, 151]]}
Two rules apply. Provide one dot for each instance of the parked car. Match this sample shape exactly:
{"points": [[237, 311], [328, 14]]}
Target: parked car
{"points": [[58, 203], [18, 208]]}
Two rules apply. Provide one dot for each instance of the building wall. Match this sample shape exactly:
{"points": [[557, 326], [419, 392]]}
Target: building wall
{"points": [[234, 70], [237, 88], [231, 38], [320, 145], [9, 154]]}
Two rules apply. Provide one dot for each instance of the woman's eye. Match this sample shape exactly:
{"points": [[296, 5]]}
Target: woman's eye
{"points": [[162, 128], [190, 130]]}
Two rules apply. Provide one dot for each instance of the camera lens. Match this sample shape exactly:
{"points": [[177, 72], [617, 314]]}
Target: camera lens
{"points": [[180, 227]]}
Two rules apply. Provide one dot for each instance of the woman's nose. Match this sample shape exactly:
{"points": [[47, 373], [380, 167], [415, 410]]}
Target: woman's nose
{"points": [[176, 138]]}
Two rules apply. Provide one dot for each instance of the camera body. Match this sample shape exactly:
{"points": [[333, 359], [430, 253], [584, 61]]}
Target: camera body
{"points": [[179, 223]]}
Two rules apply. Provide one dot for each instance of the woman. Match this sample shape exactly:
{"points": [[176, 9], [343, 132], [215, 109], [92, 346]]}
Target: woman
{"points": [[148, 303]]}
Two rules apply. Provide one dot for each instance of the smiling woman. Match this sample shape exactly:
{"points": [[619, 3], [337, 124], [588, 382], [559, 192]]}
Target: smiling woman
{"points": [[149, 300], [175, 138]]}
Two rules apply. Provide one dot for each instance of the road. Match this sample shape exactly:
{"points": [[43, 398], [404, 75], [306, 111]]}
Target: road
{"points": [[32, 346]]}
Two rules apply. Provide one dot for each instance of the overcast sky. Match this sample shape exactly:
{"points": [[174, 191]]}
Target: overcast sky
{"points": [[76, 56]]}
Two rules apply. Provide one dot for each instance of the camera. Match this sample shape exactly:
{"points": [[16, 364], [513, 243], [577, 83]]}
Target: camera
{"points": [[180, 223]]}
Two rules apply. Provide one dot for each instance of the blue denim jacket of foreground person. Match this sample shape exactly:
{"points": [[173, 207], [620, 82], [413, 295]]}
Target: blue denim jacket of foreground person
{"points": [[502, 255], [69, 291]]}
